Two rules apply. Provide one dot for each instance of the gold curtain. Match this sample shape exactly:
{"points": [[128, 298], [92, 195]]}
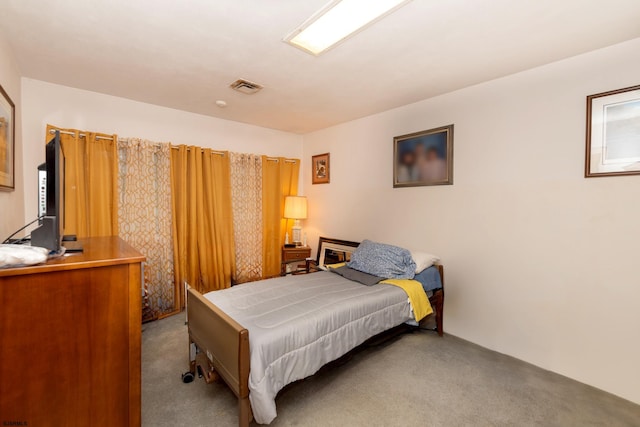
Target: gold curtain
{"points": [[279, 179], [202, 219], [91, 182], [144, 218], [246, 196]]}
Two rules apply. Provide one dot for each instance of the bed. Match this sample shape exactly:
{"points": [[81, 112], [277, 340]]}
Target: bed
{"points": [[298, 323]]}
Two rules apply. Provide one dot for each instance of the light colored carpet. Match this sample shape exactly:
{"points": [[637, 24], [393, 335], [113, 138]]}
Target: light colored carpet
{"points": [[418, 379]]}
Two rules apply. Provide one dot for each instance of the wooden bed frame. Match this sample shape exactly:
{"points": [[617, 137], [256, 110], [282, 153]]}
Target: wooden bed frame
{"points": [[219, 346]]}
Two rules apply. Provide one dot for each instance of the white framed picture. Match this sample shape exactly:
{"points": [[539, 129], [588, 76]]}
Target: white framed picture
{"points": [[613, 133]]}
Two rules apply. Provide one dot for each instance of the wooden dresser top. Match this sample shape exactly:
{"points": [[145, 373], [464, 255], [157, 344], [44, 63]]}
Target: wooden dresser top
{"points": [[98, 252]]}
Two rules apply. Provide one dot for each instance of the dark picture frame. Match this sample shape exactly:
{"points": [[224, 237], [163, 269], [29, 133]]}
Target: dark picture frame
{"points": [[613, 133], [7, 142], [320, 169], [423, 158], [333, 251]]}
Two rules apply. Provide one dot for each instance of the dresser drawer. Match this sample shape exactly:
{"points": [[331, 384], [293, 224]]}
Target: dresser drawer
{"points": [[295, 254]]}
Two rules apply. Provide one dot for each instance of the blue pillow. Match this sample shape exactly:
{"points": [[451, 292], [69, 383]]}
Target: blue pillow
{"points": [[379, 259], [429, 278]]}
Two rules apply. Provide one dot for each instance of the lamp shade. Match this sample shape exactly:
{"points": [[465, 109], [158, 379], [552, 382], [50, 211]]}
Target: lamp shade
{"points": [[295, 207]]}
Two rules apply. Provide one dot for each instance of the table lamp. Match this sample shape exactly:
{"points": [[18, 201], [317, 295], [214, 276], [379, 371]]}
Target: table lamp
{"points": [[295, 207]]}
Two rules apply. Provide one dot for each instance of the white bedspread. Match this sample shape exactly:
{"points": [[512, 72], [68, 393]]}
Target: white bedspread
{"points": [[299, 323]]}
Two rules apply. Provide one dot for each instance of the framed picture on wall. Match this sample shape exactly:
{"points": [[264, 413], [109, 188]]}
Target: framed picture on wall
{"points": [[320, 169], [423, 158], [7, 142], [613, 133]]}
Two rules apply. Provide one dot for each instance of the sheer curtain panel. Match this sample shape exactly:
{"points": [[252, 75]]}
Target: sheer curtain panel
{"points": [[246, 198], [144, 217]]}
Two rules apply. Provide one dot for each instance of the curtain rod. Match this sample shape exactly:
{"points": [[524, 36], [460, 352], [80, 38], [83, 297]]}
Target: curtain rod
{"points": [[176, 147], [222, 153], [275, 159], [81, 135], [173, 147]]}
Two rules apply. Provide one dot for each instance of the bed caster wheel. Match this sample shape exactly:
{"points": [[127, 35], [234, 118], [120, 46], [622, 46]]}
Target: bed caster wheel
{"points": [[187, 377]]}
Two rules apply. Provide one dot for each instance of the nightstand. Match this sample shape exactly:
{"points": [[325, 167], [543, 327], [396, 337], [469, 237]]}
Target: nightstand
{"points": [[295, 256]]}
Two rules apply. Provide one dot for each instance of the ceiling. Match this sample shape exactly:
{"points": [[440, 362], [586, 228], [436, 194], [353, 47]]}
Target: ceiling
{"points": [[184, 54]]}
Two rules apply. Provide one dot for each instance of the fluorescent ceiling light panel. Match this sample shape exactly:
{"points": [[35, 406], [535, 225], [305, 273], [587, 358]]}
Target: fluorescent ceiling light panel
{"points": [[338, 21]]}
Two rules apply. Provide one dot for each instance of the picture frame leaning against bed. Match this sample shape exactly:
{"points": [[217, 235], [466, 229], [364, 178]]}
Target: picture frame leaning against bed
{"points": [[333, 251]]}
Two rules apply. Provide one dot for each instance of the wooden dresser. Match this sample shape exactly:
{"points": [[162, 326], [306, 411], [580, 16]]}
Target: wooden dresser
{"points": [[70, 339]]}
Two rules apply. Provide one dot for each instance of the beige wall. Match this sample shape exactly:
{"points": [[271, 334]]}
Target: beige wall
{"points": [[540, 263], [80, 109], [11, 203]]}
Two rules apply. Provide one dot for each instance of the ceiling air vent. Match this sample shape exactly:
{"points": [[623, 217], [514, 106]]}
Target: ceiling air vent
{"points": [[245, 86]]}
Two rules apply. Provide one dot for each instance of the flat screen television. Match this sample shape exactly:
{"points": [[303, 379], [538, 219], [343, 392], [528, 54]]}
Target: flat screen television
{"points": [[49, 233]]}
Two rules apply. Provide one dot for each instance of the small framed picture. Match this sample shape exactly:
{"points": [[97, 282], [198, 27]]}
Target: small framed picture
{"points": [[7, 142], [613, 133], [423, 158], [320, 169]]}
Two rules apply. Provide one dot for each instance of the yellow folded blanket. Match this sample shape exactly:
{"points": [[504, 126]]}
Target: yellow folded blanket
{"points": [[417, 297]]}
